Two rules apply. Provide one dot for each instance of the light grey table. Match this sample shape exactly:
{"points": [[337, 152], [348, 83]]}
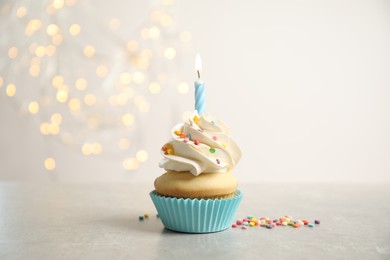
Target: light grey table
{"points": [[99, 221]]}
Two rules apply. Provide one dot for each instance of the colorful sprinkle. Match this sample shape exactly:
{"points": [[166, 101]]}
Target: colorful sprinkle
{"points": [[141, 218], [170, 151], [239, 222], [245, 223], [224, 145], [164, 148], [186, 140], [218, 161], [311, 225], [251, 221], [196, 119], [182, 135], [189, 136], [177, 132], [213, 122], [212, 150], [196, 142], [234, 225], [244, 227], [146, 215], [317, 222], [215, 138]]}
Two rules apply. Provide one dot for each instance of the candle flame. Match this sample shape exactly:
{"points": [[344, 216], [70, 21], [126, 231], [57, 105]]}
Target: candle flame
{"points": [[198, 63]]}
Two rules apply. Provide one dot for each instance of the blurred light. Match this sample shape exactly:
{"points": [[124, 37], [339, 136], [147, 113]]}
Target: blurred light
{"points": [[58, 4], [50, 10], [45, 129], [154, 32], [50, 50], [57, 39], [10, 90], [114, 24], [145, 33], [185, 36], [155, 16], [142, 155], [34, 71], [183, 88], [81, 84], [32, 47], [131, 164], [89, 51], [86, 149], [33, 26], [50, 164], [62, 96], [143, 107], [89, 99], [128, 119], [138, 77], [56, 118], [96, 148], [101, 71], [12, 52], [170, 53], [33, 107], [54, 129], [74, 29], [52, 29], [57, 81], [154, 88], [40, 51], [166, 20], [132, 45], [125, 78], [93, 121], [74, 104], [1, 81], [112, 100], [21, 12], [66, 138], [123, 143], [147, 53]]}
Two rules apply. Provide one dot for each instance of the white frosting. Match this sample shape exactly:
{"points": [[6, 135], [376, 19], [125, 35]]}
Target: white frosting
{"points": [[216, 151]]}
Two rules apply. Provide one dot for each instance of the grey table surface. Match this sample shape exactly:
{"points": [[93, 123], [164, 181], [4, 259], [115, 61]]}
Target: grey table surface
{"points": [[98, 221]]}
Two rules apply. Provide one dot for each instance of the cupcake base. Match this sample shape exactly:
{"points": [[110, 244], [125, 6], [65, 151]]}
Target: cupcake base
{"points": [[196, 215]]}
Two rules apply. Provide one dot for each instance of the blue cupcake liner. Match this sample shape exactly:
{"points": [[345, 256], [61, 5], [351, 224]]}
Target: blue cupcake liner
{"points": [[196, 215]]}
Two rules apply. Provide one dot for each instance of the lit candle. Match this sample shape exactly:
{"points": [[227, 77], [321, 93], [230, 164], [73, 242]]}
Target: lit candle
{"points": [[199, 87]]}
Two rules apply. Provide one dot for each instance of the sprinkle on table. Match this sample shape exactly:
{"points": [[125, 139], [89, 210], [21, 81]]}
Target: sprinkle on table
{"points": [[269, 223], [212, 150]]}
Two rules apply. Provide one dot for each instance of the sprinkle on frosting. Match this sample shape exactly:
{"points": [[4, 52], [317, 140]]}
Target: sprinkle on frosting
{"points": [[199, 146]]}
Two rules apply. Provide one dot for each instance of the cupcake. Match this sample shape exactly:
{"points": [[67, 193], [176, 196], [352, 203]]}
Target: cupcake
{"points": [[198, 192]]}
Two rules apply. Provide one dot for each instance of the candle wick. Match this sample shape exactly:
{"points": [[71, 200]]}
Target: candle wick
{"points": [[198, 74]]}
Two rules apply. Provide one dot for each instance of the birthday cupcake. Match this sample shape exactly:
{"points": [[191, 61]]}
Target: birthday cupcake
{"points": [[198, 192]]}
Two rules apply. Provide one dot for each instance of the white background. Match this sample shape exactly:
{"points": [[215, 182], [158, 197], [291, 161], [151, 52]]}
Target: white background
{"points": [[303, 85]]}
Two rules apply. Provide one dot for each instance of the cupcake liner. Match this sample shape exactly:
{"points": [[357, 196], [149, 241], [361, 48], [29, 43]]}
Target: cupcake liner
{"points": [[196, 215]]}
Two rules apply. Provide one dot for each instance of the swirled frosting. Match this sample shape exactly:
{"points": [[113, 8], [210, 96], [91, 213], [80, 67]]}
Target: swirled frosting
{"points": [[201, 145]]}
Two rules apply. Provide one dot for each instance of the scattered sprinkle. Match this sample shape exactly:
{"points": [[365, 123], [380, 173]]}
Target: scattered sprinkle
{"points": [[146, 215], [177, 132], [196, 119], [141, 218], [164, 148], [186, 140], [215, 138], [213, 122], [218, 161], [224, 145], [189, 136], [182, 135], [212, 150], [196, 142], [251, 221]]}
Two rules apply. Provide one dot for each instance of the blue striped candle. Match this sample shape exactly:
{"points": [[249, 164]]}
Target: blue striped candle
{"points": [[199, 96], [199, 87]]}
